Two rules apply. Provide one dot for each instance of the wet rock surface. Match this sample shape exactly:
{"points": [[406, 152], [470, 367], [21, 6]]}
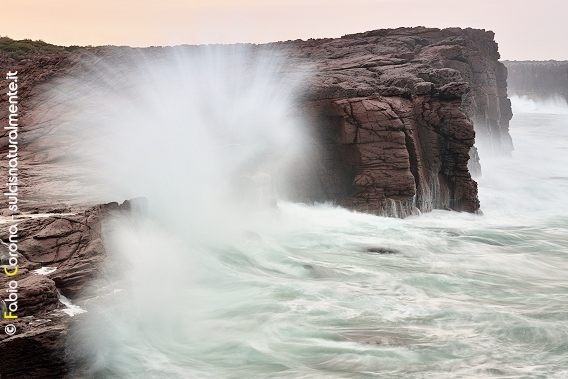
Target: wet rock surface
{"points": [[59, 255]]}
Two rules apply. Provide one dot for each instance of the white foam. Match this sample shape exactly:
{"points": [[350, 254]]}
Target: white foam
{"points": [[551, 105], [71, 309], [45, 270]]}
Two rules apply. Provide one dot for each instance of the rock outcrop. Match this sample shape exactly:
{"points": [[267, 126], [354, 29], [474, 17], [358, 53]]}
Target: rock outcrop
{"points": [[538, 80], [396, 111], [58, 256]]}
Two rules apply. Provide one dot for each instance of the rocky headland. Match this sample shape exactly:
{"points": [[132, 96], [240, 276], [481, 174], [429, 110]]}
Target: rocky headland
{"points": [[538, 80], [396, 113]]}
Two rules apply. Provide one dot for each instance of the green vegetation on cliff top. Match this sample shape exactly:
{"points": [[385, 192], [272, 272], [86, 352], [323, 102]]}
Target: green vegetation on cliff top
{"points": [[18, 48]]}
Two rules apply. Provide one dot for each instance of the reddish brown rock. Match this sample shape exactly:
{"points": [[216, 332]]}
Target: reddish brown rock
{"points": [[72, 245], [438, 85], [400, 110]]}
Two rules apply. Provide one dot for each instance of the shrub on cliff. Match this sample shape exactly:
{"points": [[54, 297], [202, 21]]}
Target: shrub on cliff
{"points": [[17, 48]]}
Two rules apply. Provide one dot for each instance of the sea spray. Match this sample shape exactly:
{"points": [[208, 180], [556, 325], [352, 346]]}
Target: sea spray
{"points": [[195, 129], [550, 105], [208, 136]]}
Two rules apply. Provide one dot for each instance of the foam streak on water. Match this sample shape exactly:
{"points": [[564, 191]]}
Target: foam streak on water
{"points": [[317, 291]]}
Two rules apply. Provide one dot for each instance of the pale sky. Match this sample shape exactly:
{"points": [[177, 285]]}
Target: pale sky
{"points": [[524, 29]]}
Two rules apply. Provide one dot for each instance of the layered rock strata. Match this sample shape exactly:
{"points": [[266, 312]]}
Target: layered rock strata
{"points": [[399, 110]]}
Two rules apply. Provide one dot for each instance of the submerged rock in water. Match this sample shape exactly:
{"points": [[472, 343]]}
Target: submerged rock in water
{"points": [[381, 250], [381, 337]]}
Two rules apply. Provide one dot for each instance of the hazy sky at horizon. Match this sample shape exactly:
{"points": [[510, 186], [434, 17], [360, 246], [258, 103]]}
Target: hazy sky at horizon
{"points": [[524, 29]]}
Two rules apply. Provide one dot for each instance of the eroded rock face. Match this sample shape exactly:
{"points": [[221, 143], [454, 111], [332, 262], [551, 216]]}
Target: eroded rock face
{"points": [[397, 111], [400, 110], [71, 245], [539, 80], [401, 156]]}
